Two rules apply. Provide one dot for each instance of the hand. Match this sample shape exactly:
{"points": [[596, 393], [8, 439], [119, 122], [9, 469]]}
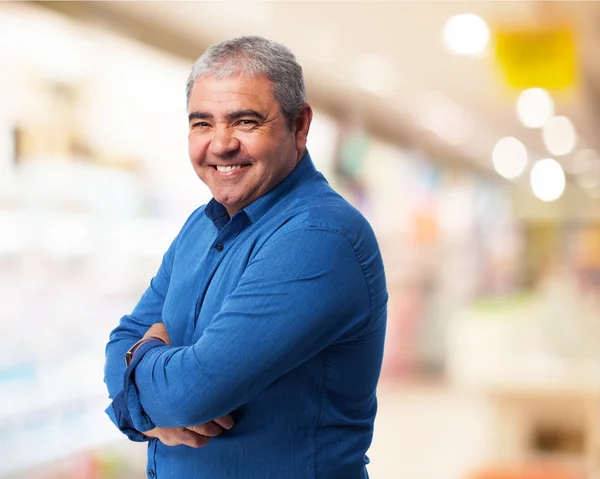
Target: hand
{"points": [[177, 436], [158, 330], [194, 436]]}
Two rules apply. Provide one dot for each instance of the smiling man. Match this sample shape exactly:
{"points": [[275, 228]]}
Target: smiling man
{"points": [[256, 350]]}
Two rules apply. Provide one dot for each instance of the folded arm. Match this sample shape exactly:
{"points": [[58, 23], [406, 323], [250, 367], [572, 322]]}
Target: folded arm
{"points": [[147, 312], [301, 292], [131, 329]]}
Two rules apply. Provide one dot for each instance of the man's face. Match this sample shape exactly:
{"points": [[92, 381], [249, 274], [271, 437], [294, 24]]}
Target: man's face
{"points": [[240, 143]]}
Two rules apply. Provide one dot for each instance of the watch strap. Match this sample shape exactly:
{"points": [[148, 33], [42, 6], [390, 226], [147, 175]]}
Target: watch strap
{"points": [[129, 354]]}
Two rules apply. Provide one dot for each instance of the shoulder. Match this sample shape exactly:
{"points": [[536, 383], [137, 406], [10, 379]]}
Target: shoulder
{"points": [[327, 211], [324, 226], [328, 234], [336, 214]]}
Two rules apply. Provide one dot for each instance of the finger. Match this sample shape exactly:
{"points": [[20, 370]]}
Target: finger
{"points": [[194, 440], [153, 433], [182, 437], [209, 429], [226, 422]]}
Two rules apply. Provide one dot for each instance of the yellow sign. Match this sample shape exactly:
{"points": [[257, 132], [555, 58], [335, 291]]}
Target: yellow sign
{"points": [[542, 58]]}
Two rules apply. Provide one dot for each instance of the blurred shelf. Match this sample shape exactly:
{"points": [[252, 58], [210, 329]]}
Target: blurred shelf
{"points": [[42, 440]]}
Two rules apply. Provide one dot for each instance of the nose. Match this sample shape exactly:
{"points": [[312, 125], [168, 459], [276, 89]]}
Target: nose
{"points": [[223, 142]]}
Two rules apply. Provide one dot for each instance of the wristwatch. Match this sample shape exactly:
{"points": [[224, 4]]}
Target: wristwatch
{"points": [[129, 354]]}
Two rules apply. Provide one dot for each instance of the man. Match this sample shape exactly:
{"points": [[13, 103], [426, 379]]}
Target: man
{"points": [[262, 332]]}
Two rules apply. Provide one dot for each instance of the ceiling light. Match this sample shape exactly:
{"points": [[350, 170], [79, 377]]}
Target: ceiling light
{"points": [[559, 135], [535, 107], [465, 34], [509, 157], [547, 179]]}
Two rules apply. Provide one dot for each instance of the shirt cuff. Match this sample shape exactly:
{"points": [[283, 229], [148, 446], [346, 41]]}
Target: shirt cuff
{"points": [[119, 415], [131, 397]]}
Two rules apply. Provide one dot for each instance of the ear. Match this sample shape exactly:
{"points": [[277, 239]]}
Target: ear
{"points": [[302, 125]]}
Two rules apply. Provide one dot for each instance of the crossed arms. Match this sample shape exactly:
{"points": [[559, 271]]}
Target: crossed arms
{"points": [[291, 302]]}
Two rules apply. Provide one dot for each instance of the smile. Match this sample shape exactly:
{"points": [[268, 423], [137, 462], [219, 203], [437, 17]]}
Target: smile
{"points": [[227, 169]]}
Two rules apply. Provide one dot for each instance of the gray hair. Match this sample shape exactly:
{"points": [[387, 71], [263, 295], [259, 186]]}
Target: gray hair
{"points": [[255, 56]]}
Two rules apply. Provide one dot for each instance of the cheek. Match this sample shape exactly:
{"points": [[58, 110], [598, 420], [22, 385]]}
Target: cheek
{"points": [[260, 139], [196, 147]]}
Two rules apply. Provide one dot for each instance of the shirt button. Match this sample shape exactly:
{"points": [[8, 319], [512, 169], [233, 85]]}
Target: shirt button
{"points": [[151, 473], [219, 247]]}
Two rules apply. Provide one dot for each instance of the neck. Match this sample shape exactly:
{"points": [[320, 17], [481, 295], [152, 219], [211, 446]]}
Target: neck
{"points": [[300, 155]]}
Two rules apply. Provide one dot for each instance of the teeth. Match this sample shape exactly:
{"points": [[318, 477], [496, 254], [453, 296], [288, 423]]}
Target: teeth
{"points": [[226, 169]]}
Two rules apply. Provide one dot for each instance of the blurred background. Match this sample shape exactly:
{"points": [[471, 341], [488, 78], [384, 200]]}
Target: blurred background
{"points": [[466, 132]]}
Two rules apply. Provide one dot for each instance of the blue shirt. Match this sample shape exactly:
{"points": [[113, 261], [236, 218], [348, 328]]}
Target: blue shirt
{"points": [[276, 316]]}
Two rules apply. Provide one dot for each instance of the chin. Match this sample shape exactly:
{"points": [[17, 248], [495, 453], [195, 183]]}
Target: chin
{"points": [[227, 201]]}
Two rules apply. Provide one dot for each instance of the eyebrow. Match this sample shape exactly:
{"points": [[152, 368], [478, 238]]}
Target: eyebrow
{"points": [[199, 115], [232, 116]]}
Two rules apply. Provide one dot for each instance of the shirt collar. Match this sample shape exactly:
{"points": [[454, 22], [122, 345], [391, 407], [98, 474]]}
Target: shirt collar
{"points": [[304, 170], [217, 213]]}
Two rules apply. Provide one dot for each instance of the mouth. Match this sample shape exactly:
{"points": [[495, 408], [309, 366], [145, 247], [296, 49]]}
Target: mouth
{"points": [[230, 171], [229, 168]]}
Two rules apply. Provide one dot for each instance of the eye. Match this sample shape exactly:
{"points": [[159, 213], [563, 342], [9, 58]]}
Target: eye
{"points": [[200, 124], [246, 122]]}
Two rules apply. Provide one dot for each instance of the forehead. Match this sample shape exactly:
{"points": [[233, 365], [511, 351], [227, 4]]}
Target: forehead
{"points": [[232, 92]]}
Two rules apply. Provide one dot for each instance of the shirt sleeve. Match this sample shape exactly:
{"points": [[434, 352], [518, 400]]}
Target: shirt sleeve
{"points": [[120, 416], [131, 329], [301, 293]]}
